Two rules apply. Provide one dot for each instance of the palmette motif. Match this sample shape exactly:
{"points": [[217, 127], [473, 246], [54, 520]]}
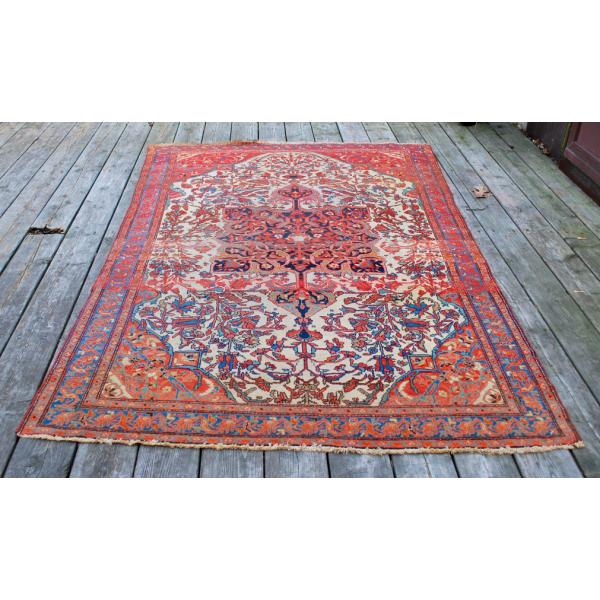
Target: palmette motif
{"points": [[298, 295]]}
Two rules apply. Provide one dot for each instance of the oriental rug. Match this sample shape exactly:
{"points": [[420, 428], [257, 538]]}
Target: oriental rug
{"points": [[320, 296]]}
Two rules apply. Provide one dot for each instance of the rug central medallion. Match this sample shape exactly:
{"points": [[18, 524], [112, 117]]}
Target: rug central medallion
{"points": [[320, 295]]}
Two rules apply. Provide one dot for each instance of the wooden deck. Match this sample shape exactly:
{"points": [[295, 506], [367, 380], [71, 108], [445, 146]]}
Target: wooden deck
{"points": [[540, 233]]}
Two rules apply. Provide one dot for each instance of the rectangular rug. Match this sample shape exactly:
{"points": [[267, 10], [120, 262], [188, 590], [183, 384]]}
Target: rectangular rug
{"points": [[299, 296]]}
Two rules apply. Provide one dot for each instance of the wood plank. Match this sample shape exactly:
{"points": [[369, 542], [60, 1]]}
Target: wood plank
{"points": [[22, 213], [188, 133], [299, 132], [406, 133], [352, 132], [20, 278], [494, 243], [326, 132], [581, 239], [543, 166], [423, 465], [558, 463], [14, 147], [578, 236], [27, 165], [271, 132], [112, 460], [246, 131], [36, 458], [232, 463], [290, 463], [370, 465], [26, 355], [163, 461], [26, 267], [578, 281], [7, 130], [118, 460], [471, 465], [157, 461], [216, 132], [379, 132]]}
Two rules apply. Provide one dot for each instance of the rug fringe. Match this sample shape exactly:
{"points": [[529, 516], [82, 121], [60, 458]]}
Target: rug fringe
{"points": [[274, 142], [313, 448]]}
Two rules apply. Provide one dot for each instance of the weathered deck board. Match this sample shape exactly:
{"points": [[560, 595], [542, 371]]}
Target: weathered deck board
{"points": [[7, 130], [244, 132], [290, 463], [577, 279], [88, 194], [216, 132], [21, 214], [423, 465], [104, 460], [27, 265], [353, 132], [471, 465], [543, 166], [16, 145], [326, 132], [582, 240], [167, 462], [360, 465], [271, 132], [406, 133], [558, 463], [299, 132], [26, 356], [189, 133], [28, 164], [232, 463]]}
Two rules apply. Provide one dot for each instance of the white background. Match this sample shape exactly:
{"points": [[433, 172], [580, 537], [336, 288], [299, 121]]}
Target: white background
{"points": [[300, 539], [274, 60], [303, 60]]}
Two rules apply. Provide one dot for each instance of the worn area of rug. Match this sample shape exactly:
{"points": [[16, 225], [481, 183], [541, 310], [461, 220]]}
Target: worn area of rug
{"points": [[321, 296]]}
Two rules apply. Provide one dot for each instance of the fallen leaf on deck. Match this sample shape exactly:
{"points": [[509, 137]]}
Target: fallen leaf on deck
{"points": [[45, 230], [481, 191]]}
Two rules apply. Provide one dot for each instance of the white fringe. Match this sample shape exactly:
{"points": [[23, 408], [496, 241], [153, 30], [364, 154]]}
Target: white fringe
{"points": [[312, 448]]}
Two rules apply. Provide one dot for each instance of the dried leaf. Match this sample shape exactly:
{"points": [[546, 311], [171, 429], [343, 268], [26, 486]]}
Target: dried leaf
{"points": [[45, 230], [481, 191]]}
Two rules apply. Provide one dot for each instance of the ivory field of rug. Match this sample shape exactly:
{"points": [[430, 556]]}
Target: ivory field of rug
{"points": [[320, 296]]}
